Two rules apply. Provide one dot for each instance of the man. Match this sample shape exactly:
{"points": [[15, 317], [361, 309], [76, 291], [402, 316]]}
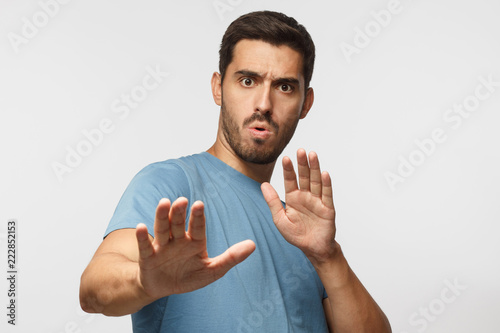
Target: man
{"points": [[175, 279]]}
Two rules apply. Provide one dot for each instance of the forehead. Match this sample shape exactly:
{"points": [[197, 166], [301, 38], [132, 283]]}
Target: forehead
{"points": [[262, 57]]}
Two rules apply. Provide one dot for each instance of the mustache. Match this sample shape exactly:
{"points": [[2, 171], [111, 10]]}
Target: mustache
{"points": [[263, 118]]}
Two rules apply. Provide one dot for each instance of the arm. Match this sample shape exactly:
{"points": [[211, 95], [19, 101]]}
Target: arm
{"points": [[349, 305], [308, 222], [132, 269], [109, 284]]}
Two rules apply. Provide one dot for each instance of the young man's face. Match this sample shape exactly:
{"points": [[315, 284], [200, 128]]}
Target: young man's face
{"points": [[262, 100]]}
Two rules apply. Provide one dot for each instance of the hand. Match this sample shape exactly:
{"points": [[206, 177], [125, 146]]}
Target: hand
{"points": [[176, 261], [308, 221]]}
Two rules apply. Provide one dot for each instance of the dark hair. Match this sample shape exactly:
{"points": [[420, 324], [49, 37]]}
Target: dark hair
{"points": [[271, 27]]}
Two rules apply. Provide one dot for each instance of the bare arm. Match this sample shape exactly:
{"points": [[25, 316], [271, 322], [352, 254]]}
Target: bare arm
{"points": [[349, 305], [131, 269], [110, 283], [308, 222]]}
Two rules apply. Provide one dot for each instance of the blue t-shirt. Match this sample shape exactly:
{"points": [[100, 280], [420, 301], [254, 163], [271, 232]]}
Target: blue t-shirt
{"points": [[275, 289]]}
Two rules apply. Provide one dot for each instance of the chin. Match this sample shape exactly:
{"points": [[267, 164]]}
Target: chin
{"points": [[258, 156]]}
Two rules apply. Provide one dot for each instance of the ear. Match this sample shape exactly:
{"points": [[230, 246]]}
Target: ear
{"points": [[217, 88], [308, 102]]}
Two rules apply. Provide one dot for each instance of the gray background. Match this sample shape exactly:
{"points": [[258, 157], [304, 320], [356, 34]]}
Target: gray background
{"points": [[404, 242]]}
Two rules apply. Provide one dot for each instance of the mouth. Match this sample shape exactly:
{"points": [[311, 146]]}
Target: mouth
{"points": [[260, 131]]}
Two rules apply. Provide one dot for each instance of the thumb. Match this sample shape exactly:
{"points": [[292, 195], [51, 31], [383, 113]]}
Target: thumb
{"points": [[272, 199], [231, 257]]}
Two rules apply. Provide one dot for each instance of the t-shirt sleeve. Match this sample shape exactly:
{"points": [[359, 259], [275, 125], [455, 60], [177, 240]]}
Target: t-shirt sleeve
{"points": [[139, 201]]}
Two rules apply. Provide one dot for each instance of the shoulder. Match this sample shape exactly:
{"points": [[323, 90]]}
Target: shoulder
{"points": [[177, 173], [173, 169], [166, 179]]}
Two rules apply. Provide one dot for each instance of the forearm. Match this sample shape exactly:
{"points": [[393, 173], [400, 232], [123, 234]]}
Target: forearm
{"points": [[353, 309], [110, 285]]}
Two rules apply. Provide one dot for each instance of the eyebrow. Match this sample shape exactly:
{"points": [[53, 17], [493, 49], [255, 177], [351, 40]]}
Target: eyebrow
{"points": [[289, 80]]}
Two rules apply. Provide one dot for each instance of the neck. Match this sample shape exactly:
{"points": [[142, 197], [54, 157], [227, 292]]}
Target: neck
{"points": [[258, 172]]}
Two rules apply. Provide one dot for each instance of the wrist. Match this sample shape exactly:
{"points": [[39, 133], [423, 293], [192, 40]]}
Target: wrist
{"points": [[142, 293], [333, 267], [327, 258]]}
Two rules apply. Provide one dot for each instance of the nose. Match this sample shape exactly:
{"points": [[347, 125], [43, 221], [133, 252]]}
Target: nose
{"points": [[263, 100]]}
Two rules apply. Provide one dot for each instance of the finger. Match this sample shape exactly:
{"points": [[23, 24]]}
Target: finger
{"points": [[290, 179], [327, 197], [231, 257], [303, 169], [196, 227], [177, 218], [145, 246], [273, 200], [162, 225], [316, 184]]}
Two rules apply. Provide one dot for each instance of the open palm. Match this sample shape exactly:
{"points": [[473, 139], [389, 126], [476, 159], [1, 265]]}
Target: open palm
{"points": [[176, 260], [308, 220]]}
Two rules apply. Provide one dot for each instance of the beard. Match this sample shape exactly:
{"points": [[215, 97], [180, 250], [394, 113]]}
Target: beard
{"points": [[260, 152]]}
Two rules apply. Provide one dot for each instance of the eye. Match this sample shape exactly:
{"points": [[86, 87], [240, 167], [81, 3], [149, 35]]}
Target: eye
{"points": [[285, 88], [247, 82]]}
